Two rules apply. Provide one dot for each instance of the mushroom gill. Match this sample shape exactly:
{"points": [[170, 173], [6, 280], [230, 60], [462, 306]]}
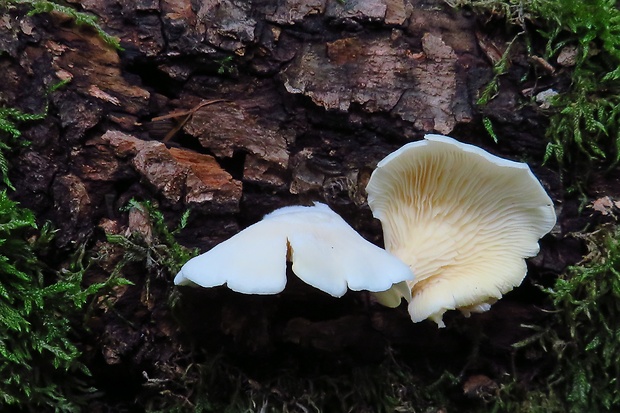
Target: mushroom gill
{"points": [[462, 219]]}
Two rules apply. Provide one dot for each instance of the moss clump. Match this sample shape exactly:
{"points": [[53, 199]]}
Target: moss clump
{"points": [[580, 342], [39, 361], [587, 298], [585, 117], [155, 246], [10, 135], [588, 114], [80, 18]]}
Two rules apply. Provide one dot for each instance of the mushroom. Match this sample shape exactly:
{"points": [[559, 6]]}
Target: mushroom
{"points": [[325, 251], [463, 220]]}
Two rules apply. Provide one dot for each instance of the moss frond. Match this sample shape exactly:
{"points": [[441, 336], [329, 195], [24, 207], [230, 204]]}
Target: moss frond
{"points": [[10, 119], [39, 361], [80, 18], [583, 125]]}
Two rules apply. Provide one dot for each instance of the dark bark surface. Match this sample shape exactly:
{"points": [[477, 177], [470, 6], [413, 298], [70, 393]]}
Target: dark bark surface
{"points": [[270, 103]]}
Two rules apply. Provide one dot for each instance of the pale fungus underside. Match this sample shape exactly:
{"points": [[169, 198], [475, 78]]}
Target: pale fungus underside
{"points": [[462, 219]]}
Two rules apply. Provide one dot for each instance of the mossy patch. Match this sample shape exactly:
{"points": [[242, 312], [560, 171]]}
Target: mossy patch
{"points": [[584, 116]]}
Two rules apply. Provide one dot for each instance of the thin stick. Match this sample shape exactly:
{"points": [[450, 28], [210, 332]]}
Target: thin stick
{"points": [[187, 116]]}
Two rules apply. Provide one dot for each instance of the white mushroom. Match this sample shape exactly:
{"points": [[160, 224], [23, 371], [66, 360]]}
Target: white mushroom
{"points": [[462, 219], [325, 251]]}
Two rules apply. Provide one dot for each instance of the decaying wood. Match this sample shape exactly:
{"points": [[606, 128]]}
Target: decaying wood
{"points": [[276, 103]]}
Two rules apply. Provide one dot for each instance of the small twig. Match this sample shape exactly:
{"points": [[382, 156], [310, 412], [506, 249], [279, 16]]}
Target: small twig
{"points": [[186, 114]]}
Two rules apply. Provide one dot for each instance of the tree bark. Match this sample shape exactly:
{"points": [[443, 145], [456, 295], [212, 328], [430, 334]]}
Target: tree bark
{"points": [[233, 109]]}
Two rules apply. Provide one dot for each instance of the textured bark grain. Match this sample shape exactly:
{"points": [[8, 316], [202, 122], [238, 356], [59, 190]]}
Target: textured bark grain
{"points": [[310, 96]]}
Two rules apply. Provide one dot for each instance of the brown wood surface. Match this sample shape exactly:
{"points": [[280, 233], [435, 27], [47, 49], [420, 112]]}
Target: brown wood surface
{"points": [[234, 108]]}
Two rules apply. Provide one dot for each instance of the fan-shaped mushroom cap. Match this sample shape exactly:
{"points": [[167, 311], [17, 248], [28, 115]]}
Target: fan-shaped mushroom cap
{"points": [[462, 219], [325, 251]]}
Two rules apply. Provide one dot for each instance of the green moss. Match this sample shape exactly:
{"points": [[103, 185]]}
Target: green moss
{"points": [[156, 247], [227, 65], [514, 398], [39, 361], [587, 298], [80, 18], [584, 121], [580, 340], [10, 119]]}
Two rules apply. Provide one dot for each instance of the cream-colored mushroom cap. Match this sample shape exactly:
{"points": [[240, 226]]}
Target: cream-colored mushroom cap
{"points": [[325, 251], [463, 220]]}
